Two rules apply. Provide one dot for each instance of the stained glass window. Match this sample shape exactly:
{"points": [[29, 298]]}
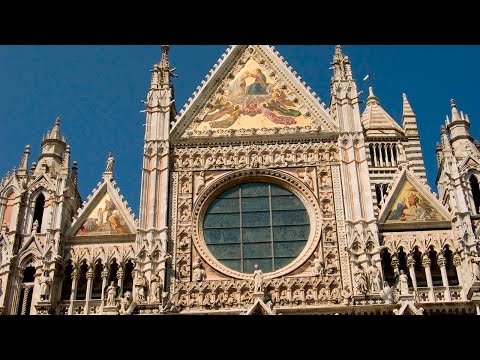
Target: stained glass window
{"points": [[256, 223]]}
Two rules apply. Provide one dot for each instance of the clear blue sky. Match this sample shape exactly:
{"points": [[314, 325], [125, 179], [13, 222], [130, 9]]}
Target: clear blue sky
{"points": [[96, 91]]}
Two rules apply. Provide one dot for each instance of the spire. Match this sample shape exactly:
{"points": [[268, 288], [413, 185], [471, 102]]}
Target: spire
{"points": [[75, 172], [338, 53], [372, 99], [407, 108], [55, 133], [455, 114], [342, 69], [444, 136], [409, 121], [22, 167], [439, 152], [375, 117], [165, 66], [66, 158]]}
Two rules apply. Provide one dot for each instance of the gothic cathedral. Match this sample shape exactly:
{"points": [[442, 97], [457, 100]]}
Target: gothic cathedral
{"points": [[256, 198]]}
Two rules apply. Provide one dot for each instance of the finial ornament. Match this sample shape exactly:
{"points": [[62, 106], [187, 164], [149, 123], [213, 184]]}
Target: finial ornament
{"points": [[164, 64], [338, 50]]}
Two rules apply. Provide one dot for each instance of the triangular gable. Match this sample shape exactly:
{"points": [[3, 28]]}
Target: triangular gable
{"points": [[408, 308], [8, 183], [410, 204], [259, 308], [469, 162], [42, 180], [251, 91], [26, 245], [103, 214]]}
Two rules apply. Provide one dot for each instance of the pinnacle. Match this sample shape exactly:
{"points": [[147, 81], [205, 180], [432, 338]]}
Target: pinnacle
{"points": [[407, 108], [372, 99], [455, 113], [55, 133]]}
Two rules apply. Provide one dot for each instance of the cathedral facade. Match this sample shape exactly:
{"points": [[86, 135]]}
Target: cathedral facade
{"points": [[256, 198]]}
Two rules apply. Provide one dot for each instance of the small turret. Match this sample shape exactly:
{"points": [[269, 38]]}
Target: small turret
{"points": [[54, 146], [459, 129]]}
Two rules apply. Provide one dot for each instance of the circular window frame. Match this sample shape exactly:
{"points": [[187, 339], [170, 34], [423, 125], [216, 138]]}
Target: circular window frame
{"points": [[278, 177]]}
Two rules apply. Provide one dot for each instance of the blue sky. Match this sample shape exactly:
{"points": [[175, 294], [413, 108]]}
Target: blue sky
{"points": [[96, 91]]}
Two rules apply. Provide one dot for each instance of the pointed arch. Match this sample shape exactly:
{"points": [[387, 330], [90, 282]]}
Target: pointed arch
{"points": [[26, 287], [97, 280], [434, 268], [37, 201], [39, 210], [475, 192], [114, 266], [31, 255], [67, 280], [128, 279], [402, 260], [82, 281], [450, 267], [419, 270], [388, 271]]}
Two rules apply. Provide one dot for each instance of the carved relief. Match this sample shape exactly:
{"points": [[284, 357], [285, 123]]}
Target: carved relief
{"points": [[233, 294], [262, 155], [340, 221]]}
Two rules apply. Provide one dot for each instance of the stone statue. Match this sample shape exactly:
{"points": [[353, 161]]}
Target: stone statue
{"points": [[127, 305], [324, 181], [156, 287], [258, 279], [374, 277], [202, 180], [110, 162], [360, 280], [198, 274], [111, 293], [45, 282], [387, 293], [475, 266], [35, 227], [307, 178], [140, 283], [330, 267], [403, 281], [401, 152], [317, 265], [346, 295]]}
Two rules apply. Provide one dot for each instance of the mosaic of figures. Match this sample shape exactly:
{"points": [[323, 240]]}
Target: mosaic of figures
{"points": [[252, 100], [104, 219], [411, 206], [255, 156]]}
